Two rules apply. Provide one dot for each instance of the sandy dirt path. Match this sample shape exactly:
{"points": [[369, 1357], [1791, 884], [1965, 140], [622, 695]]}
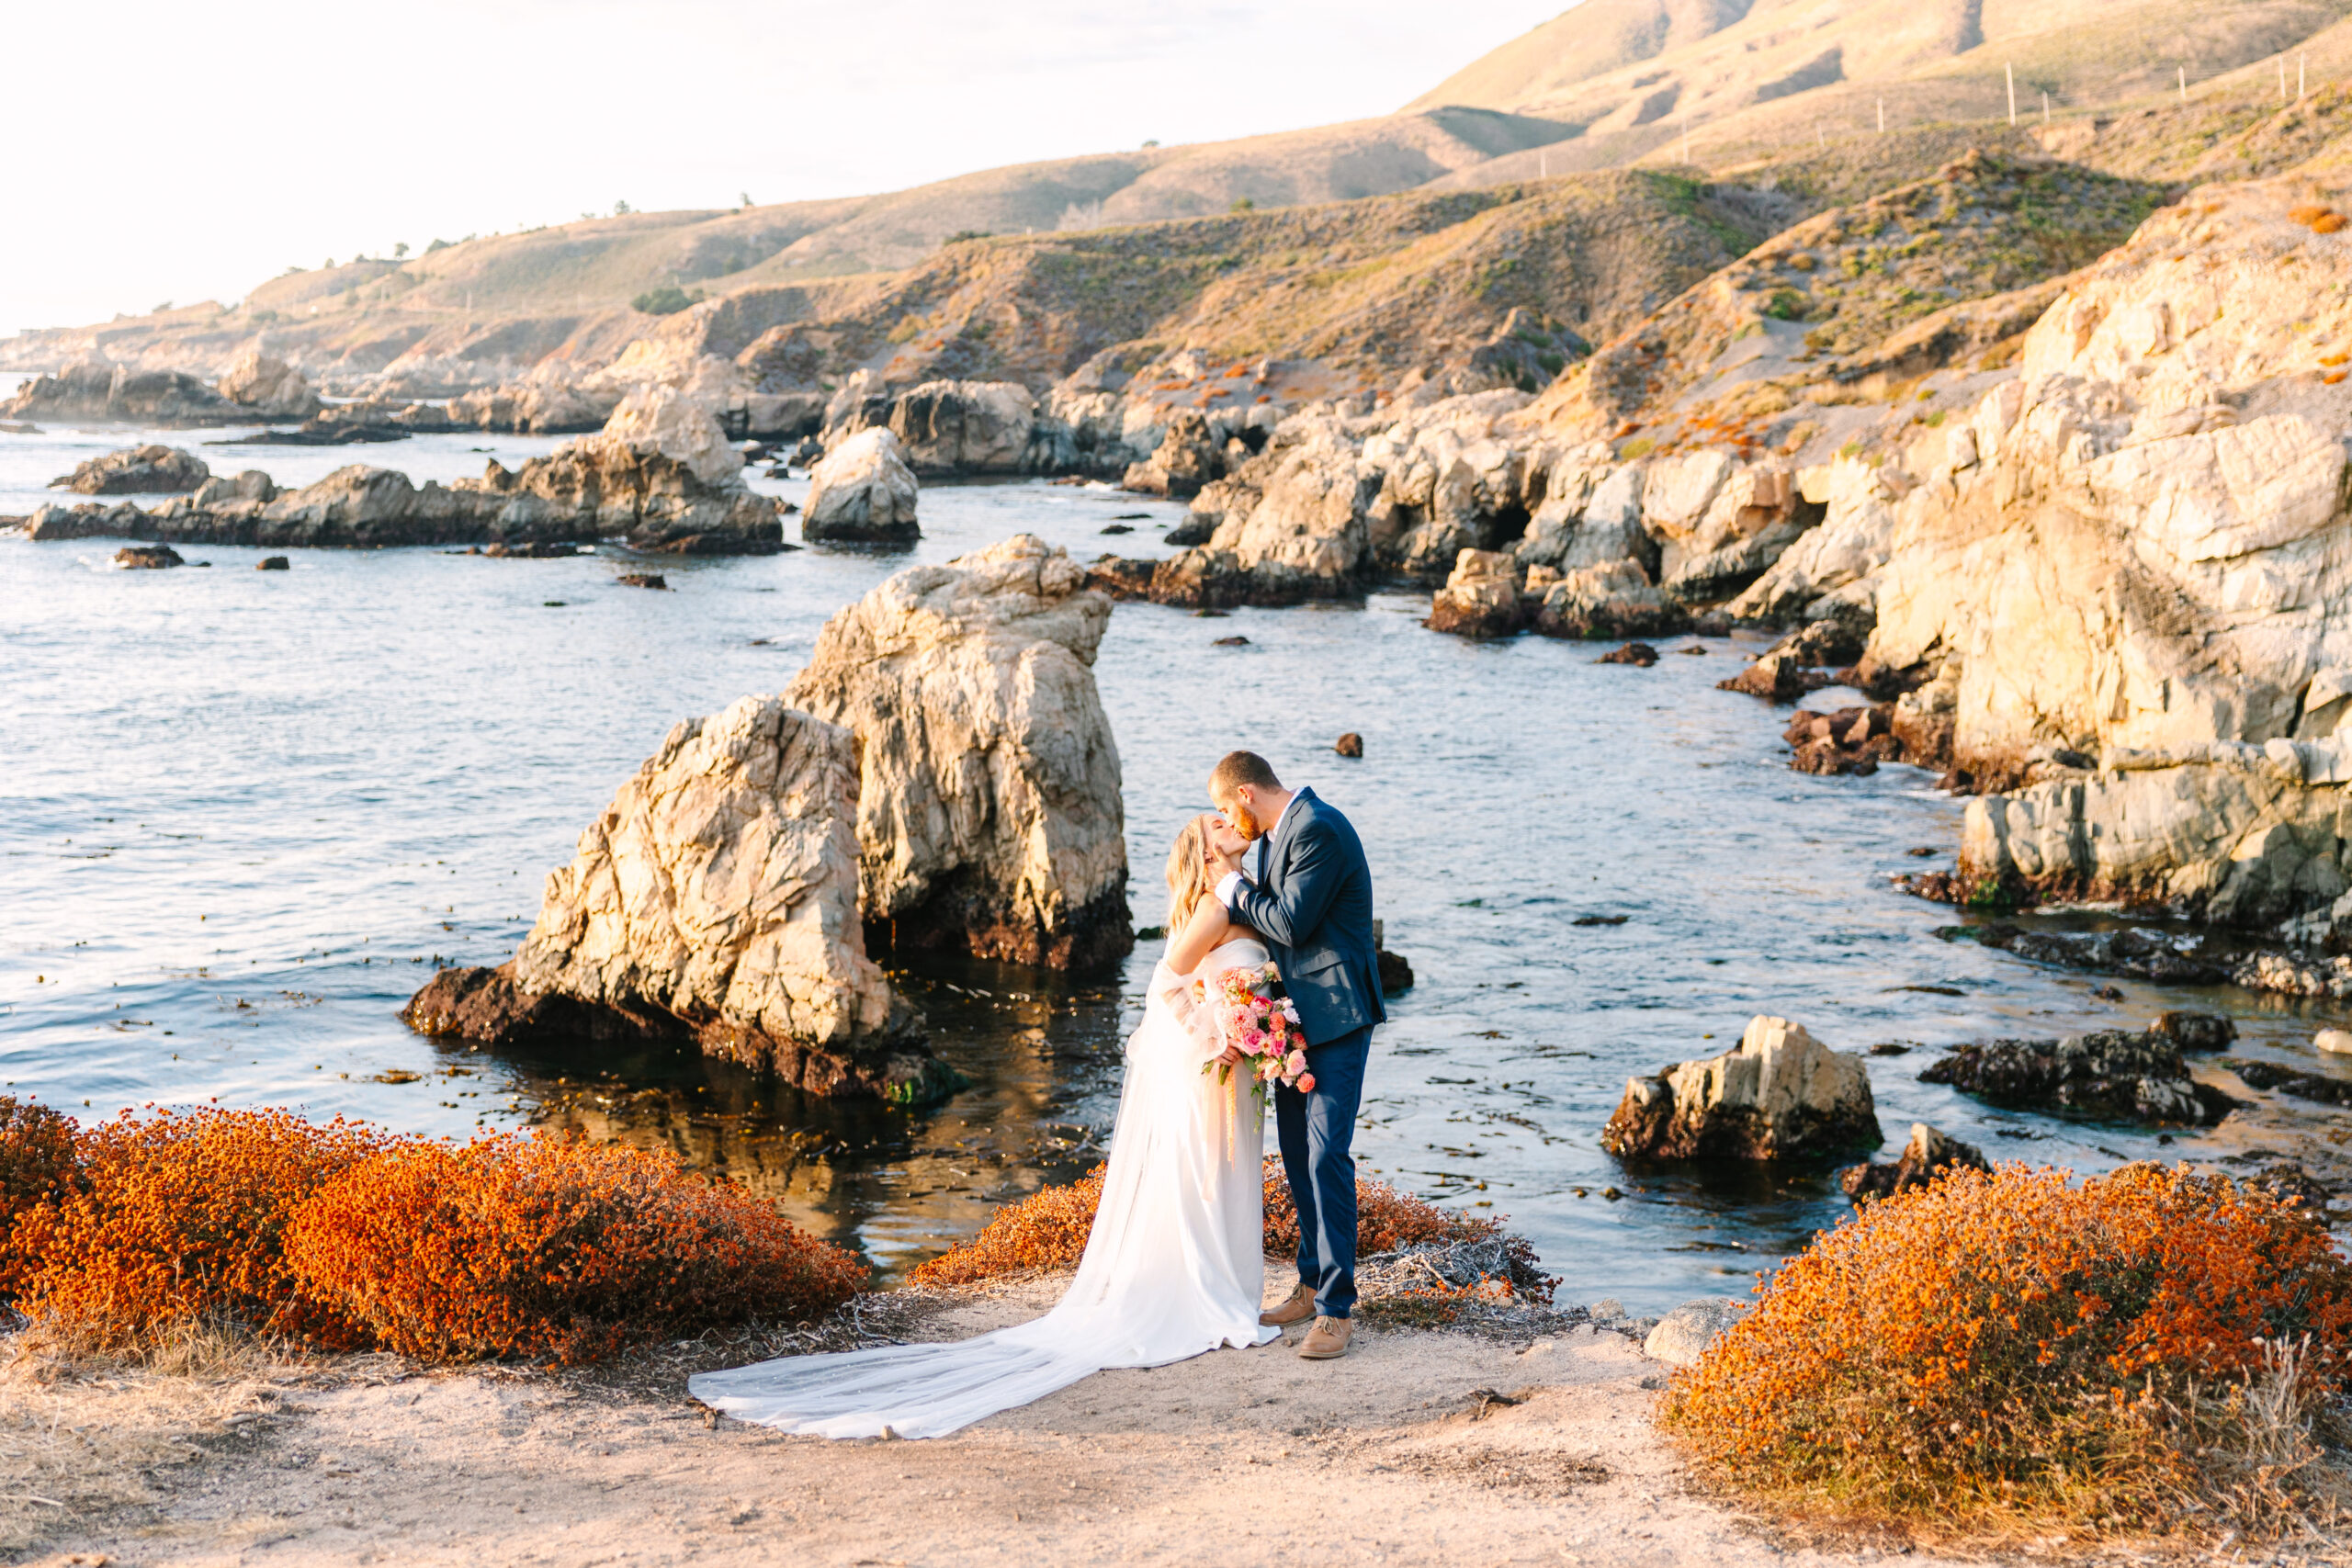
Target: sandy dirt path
{"points": [[1240, 1457]]}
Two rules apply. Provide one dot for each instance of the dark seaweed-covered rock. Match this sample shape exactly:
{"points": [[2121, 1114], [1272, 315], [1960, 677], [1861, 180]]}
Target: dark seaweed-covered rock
{"points": [[2132, 950], [2123, 1075], [2270, 1075], [2195, 1031], [1928, 1153]]}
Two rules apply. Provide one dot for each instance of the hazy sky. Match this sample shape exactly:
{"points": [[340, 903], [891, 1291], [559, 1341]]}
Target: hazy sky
{"points": [[186, 152]]}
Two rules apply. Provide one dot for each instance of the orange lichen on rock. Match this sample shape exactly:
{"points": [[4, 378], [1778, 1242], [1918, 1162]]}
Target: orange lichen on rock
{"points": [[2008, 1345]]}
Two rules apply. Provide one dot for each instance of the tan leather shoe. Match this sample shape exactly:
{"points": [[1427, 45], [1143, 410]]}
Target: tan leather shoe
{"points": [[1328, 1340], [1296, 1307]]}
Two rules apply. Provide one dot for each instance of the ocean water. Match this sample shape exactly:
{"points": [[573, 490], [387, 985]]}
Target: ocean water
{"points": [[244, 815]]}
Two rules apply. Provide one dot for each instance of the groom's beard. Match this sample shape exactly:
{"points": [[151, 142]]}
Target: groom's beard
{"points": [[1238, 816]]}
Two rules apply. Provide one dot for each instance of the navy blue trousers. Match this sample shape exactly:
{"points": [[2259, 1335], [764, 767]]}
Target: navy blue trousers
{"points": [[1313, 1131]]}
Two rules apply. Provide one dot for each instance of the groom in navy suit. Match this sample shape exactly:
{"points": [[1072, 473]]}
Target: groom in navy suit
{"points": [[1309, 896]]}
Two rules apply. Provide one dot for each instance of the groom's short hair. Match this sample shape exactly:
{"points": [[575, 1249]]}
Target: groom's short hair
{"points": [[1238, 767]]}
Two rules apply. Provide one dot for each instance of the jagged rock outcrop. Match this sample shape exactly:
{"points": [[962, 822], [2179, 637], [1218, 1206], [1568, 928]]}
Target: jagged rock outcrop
{"points": [[1190, 457], [2115, 1074], [661, 475], [1615, 599], [1779, 1094], [270, 387], [864, 491], [1927, 1155], [989, 816], [151, 469], [965, 427], [1450, 480], [2128, 577], [716, 898], [357, 507], [98, 391], [1294, 529], [1481, 599]]}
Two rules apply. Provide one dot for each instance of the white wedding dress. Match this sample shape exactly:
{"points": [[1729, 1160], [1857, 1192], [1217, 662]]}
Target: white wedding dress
{"points": [[1174, 1265]]}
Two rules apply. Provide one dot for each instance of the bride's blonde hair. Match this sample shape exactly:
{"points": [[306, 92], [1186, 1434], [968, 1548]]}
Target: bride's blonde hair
{"points": [[1188, 873]]}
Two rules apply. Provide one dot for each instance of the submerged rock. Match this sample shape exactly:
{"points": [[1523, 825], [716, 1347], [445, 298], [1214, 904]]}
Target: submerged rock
{"points": [[2271, 1076], [864, 491], [147, 558], [715, 898], [2118, 1073], [990, 815], [151, 469], [1779, 1094], [2131, 951], [1928, 1153]]}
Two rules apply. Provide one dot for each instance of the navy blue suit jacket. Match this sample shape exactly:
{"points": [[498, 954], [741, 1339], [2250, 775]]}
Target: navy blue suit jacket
{"points": [[1313, 906]]}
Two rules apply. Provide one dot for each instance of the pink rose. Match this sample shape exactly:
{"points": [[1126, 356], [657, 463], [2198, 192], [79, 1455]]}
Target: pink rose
{"points": [[1307, 1083], [1298, 1061]]}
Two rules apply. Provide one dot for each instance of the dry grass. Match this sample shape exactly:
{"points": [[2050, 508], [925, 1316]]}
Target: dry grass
{"points": [[2005, 1354], [83, 1429]]}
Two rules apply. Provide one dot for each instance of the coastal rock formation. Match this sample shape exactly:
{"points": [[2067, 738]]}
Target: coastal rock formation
{"points": [[270, 387], [661, 475], [1779, 1094], [2123, 1075], [1611, 599], [1927, 1153], [990, 814], [147, 558], [864, 491], [1294, 529], [1481, 599], [1190, 457], [965, 427], [151, 469], [98, 391], [716, 896], [2126, 571]]}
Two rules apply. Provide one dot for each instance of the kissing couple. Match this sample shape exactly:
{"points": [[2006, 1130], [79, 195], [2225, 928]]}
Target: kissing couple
{"points": [[1174, 1265]]}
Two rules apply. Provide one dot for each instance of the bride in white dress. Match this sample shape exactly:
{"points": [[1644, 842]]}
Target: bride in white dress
{"points": [[1174, 1265]]}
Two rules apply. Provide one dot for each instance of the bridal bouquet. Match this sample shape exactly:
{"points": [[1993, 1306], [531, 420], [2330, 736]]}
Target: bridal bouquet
{"points": [[1264, 1026]]}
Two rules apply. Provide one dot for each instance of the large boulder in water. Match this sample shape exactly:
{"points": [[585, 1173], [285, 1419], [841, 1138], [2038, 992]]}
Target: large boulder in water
{"points": [[1779, 1094], [864, 491], [660, 474], [270, 387], [1481, 599], [990, 814], [151, 469], [966, 427], [716, 898]]}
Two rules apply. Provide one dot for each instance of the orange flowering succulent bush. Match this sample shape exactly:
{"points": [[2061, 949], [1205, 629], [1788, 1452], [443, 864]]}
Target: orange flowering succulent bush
{"points": [[527, 1246], [352, 1239], [177, 1215], [1048, 1230], [39, 1162], [2009, 1345]]}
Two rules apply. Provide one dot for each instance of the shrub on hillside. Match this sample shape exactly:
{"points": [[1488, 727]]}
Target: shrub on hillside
{"points": [[531, 1246], [666, 300], [38, 1163], [1048, 1230], [2147, 1348], [177, 1216]]}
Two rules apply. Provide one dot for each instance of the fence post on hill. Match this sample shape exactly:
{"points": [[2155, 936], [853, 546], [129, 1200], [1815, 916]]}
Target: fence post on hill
{"points": [[2011, 73]]}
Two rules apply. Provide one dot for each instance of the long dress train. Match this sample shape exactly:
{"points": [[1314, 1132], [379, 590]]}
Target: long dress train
{"points": [[1173, 1266]]}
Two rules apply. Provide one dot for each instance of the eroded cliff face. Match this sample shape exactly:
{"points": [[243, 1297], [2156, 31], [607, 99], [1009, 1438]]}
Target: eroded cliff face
{"points": [[2130, 577], [716, 896], [989, 816]]}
